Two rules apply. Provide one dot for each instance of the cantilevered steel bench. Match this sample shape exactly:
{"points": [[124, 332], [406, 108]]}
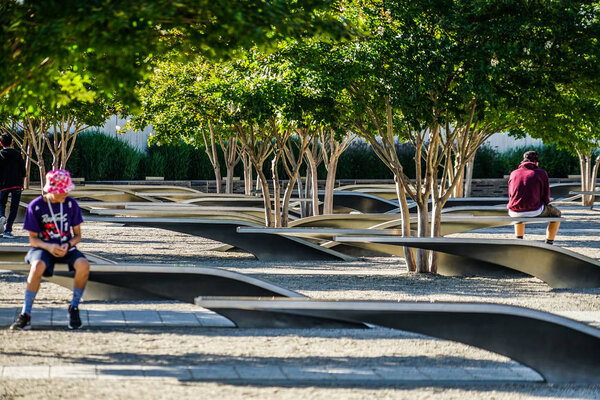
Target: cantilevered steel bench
{"points": [[17, 253], [593, 193], [159, 282], [392, 227], [559, 349], [558, 267], [264, 246]]}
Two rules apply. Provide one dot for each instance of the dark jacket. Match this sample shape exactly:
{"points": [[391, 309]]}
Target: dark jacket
{"points": [[528, 188], [12, 169]]}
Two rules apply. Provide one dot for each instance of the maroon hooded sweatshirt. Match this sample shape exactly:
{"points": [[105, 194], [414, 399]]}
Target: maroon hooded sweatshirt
{"points": [[528, 188]]}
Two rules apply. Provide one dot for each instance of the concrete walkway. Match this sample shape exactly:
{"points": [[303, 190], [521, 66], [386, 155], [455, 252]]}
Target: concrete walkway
{"points": [[43, 318], [53, 317], [277, 374]]}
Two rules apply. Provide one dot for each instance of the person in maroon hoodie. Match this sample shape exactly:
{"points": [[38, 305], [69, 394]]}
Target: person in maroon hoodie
{"points": [[529, 195]]}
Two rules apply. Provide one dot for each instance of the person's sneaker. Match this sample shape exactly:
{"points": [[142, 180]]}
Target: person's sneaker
{"points": [[22, 323], [74, 319], [8, 235], [2, 223]]}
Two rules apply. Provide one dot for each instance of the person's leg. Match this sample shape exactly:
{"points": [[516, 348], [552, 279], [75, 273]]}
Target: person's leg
{"points": [[82, 272], [519, 230], [15, 200], [34, 281], [3, 200], [551, 231]]}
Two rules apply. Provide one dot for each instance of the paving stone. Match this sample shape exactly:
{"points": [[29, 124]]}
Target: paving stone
{"points": [[179, 372], [73, 371], [260, 372], [119, 372], [174, 318], [401, 374], [106, 318], [494, 374], [446, 373], [60, 317], [41, 317], [353, 374], [7, 315], [307, 373], [26, 372], [213, 372], [142, 317]]}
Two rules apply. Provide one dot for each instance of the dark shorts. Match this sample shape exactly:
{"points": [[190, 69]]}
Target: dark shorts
{"points": [[36, 253], [550, 211]]}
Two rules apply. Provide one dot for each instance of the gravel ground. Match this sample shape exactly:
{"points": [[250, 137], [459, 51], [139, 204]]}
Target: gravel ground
{"points": [[370, 278]]}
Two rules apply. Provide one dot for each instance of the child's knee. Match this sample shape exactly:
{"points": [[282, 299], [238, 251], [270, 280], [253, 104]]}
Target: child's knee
{"points": [[37, 268]]}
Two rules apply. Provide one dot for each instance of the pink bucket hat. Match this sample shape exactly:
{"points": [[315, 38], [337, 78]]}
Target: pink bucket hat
{"points": [[58, 181]]}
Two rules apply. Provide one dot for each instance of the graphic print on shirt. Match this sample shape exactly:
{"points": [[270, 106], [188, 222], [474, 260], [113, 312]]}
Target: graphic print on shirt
{"points": [[51, 231]]}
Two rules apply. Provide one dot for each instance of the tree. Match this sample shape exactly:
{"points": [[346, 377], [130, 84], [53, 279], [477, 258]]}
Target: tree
{"points": [[55, 129], [179, 101], [571, 120], [444, 75], [47, 45]]}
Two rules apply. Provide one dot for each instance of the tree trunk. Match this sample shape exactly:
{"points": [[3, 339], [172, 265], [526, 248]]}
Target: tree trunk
{"points": [[585, 171], [330, 185], [264, 185], [287, 194], [436, 222], [405, 216], [247, 174], [229, 179], [276, 192], [422, 225], [314, 183], [469, 177]]}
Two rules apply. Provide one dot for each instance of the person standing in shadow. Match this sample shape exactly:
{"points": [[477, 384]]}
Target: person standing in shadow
{"points": [[12, 174]]}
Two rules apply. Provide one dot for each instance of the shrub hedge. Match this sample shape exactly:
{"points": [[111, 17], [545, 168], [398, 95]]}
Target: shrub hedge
{"points": [[100, 157]]}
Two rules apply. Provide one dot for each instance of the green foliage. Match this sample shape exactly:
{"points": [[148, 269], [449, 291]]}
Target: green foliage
{"points": [[101, 157], [359, 161], [490, 163], [66, 42]]}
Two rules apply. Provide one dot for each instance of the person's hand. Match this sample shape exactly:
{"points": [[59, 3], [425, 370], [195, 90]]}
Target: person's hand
{"points": [[59, 250]]}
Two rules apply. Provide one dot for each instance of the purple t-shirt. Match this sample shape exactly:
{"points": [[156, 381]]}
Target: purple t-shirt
{"points": [[39, 219]]}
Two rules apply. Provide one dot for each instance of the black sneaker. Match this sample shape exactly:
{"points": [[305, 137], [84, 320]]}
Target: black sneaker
{"points": [[74, 320], [22, 323]]}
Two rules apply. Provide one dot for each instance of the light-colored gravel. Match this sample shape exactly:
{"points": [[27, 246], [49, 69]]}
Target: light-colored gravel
{"points": [[373, 278]]}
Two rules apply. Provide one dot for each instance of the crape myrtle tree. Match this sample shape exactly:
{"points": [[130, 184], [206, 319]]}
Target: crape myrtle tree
{"points": [[178, 100], [571, 121], [55, 129], [444, 76], [116, 41]]}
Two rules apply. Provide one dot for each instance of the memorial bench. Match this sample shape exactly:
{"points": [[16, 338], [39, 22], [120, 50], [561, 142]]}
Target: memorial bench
{"points": [[326, 236], [559, 349], [222, 227], [559, 268], [593, 193], [130, 281]]}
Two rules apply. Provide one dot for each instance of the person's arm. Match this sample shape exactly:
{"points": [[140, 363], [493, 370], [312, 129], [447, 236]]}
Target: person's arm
{"points": [[76, 237], [53, 248]]}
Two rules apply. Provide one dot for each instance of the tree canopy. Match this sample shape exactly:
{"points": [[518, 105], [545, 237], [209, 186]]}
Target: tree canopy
{"points": [[114, 41]]}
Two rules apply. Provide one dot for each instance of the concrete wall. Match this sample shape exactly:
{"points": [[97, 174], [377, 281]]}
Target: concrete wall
{"points": [[137, 139]]}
